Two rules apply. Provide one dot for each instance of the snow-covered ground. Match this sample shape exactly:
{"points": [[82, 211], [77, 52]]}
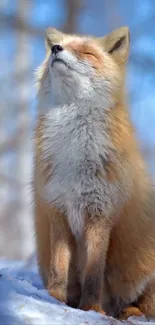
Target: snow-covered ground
{"points": [[24, 301]]}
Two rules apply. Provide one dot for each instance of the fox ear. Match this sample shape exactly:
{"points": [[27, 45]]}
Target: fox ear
{"points": [[117, 44], [53, 36]]}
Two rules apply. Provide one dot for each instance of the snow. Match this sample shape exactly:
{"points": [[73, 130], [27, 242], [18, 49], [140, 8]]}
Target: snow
{"points": [[24, 301]]}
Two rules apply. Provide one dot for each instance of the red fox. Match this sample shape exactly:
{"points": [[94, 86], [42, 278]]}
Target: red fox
{"points": [[94, 201]]}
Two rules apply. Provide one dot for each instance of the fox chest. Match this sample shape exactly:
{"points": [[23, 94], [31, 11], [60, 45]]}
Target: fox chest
{"points": [[77, 149]]}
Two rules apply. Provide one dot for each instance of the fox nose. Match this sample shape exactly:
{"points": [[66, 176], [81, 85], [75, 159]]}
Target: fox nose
{"points": [[56, 48]]}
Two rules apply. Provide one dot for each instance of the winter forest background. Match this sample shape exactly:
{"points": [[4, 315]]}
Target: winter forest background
{"points": [[22, 26]]}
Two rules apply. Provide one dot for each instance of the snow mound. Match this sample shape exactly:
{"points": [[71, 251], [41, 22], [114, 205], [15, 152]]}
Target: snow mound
{"points": [[24, 301]]}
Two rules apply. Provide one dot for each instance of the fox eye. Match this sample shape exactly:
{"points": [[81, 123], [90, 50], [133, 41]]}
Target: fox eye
{"points": [[89, 53]]}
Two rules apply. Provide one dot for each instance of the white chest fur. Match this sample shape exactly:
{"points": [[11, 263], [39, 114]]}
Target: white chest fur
{"points": [[76, 141]]}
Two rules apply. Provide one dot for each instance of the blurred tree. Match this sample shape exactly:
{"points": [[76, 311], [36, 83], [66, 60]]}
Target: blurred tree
{"points": [[15, 220], [23, 66], [73, 10]]}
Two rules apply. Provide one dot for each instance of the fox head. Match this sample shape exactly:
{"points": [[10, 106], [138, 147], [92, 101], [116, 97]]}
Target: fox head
{"points": [[83, 68]]}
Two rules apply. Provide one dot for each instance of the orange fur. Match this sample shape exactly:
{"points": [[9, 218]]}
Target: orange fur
{"points": [[94, 308], [130, 311], [42, 226], [86, 50]]}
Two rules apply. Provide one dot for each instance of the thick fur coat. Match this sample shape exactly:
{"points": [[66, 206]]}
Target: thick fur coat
{"points": [[94, 201]]}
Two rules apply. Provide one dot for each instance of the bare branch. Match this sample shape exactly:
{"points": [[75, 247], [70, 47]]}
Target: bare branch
{"points": [[73, 8], [19, 24]]}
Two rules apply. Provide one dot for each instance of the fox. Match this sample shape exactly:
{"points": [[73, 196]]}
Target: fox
{"points": [[94, 204]]}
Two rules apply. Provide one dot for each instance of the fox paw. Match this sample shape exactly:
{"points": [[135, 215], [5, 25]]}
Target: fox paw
{"points": [[128, 312], [94, 307], [58, 294]]}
